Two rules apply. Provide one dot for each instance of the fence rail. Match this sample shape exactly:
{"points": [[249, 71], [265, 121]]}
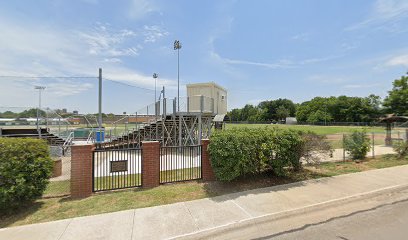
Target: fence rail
{"points": [[180, 163], [116, 169]]}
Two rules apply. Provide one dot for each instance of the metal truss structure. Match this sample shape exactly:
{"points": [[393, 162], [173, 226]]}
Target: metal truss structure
{"points": [[179, 128]]}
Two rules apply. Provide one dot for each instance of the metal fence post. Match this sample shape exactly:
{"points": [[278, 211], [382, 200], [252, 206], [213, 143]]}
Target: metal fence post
{"points": [[188, 104], [136, 125], [164, 107], [344, 150], [174, 106], [373, 144]]}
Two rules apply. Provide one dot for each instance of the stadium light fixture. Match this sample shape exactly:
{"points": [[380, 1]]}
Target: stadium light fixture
{"points": [[177, 46], [155, 76]]}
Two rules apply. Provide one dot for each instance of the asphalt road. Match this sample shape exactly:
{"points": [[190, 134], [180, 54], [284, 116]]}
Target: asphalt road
{"points": [[387, 221]]}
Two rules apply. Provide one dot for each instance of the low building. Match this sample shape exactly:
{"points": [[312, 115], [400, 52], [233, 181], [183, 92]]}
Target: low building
{"points": [[291, 120], [214, 98]]}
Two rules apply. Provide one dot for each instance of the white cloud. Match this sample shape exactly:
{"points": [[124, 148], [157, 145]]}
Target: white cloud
{"points": [[68, 88], [388, 12], [104, 41], [300, 37], [30, 49], [317, 60], [282, 63], [112, 60], [255, 102], [327, 79], [356, 86], [401, 60], [153, 33], [141, 8]]}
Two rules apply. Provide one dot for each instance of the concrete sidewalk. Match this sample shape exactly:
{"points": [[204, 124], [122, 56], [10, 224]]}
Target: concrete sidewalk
{"points": [[187, 219]]}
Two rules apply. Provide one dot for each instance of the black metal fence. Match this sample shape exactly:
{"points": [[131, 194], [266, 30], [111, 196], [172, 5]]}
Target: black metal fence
{"points": [[116, 169], [180, 163]]}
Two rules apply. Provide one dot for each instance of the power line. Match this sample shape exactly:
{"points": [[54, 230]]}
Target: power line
{"points": [[126, 84], [75, 77], [10, 76]]}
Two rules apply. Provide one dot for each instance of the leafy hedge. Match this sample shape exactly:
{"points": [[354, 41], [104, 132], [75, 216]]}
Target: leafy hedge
{"points": [[244, 151], [401, 148], [25, 167], [357, 144]]}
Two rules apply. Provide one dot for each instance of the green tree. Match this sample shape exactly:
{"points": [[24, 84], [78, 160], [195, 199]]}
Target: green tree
{"points": [[282, 112], [397, 99], [270, 108], [235, 114], [31, 113], [340, 109], [8, 114]]}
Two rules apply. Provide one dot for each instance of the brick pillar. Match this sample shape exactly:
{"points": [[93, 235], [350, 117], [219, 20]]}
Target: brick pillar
{"points": [[208, 173], [150, 164], [81, 171]]}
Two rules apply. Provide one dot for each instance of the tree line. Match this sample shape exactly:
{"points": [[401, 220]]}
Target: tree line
{"points": [[329, 109]]}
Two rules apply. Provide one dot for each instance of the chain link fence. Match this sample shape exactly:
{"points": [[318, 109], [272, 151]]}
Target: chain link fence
{"points": [[377, 142]]}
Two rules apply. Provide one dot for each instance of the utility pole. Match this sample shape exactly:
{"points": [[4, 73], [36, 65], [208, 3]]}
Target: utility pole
{"points": [[177, 46], [155, 76], [40, 88], [100, 105]]}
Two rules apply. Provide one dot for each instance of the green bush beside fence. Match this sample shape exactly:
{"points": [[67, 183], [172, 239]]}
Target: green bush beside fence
{"points": [[357, 144], [245, 151], [25, 167]]}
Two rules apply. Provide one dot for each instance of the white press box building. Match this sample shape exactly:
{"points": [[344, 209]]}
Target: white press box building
{"points": [[214, 95]]}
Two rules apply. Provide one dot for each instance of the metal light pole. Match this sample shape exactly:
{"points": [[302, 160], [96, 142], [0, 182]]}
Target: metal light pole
{"points": [[101, 135], [39, 88], [155, 76], [100, 100], [177, 46]]}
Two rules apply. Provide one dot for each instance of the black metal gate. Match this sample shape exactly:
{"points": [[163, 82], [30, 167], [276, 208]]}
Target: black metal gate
{"points": [[180, 163], [116, 169]]}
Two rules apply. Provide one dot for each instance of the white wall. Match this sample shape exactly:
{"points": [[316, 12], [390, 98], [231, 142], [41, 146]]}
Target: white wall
{"points": [[209, 90]]}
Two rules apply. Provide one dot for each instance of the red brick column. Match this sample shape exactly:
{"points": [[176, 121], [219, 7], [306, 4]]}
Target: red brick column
{"points": [[150, 164], [81, 171], [208, 173]]}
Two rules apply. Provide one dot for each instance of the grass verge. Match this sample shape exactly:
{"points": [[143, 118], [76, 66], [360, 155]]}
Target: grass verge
{"points": [[44, 210]]}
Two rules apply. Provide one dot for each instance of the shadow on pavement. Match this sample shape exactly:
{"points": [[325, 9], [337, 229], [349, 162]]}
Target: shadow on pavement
{"points": [[263, 183]]}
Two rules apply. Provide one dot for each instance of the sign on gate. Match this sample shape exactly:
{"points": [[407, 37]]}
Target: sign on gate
{"points": [[116, 169], [119, 166]]}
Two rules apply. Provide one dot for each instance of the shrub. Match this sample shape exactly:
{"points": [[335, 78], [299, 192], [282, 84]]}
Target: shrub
{"points": [[401, 148], [315, 147], [239, 152], [357, 144], [25, 167]]}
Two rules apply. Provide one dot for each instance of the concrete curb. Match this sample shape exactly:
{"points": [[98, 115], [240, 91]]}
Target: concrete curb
{"points": [[259, 220]]}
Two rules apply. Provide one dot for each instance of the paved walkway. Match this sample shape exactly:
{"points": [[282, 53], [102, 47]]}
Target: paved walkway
{"points": [[186, 218]]}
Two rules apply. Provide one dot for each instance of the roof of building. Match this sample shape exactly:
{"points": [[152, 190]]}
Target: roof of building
{"points": [[393, 118], [206, 84]]}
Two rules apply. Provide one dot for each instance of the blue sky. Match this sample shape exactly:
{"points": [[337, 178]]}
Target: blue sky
{"points": [[258, 50]]}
